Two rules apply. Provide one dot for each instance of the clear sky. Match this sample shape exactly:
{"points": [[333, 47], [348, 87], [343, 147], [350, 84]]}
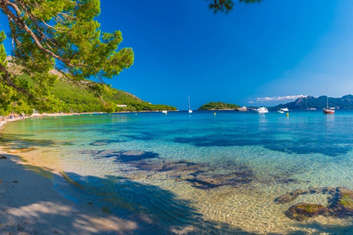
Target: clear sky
{"points": [[274, 48]]}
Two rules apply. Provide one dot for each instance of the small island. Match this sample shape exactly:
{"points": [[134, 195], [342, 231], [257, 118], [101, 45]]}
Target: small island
{"points": [[221, 106]]}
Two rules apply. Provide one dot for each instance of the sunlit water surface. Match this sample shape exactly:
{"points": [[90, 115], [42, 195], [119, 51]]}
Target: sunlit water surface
{"points": [[196, 173]]}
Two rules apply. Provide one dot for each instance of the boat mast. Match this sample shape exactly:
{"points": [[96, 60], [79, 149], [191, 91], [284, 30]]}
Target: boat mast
{"points": [[188, 102], [327, 102]]}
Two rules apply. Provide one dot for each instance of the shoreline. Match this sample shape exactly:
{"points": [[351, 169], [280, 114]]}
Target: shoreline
{"points": [[17, 117], [30, 204]]}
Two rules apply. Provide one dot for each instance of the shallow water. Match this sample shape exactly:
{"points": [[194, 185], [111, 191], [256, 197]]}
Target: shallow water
{"points": [[196, 173]]}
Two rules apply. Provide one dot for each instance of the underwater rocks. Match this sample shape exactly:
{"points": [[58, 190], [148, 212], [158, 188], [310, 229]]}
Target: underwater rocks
{"points": [[303, 211], [170, 166], [288, 197], [340, 203], [122, 156], [105, 142], [235, 179], [198, 175]]}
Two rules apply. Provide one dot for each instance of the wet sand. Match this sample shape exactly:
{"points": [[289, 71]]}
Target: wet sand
{"points": [[30, 205]]}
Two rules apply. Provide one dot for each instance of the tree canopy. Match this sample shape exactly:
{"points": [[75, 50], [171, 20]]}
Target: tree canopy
{"points": [[64, 34], [226, 5], [55, 34]]}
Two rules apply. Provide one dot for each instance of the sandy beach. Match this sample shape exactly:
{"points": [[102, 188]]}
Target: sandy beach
{"points": [[29, 203]]}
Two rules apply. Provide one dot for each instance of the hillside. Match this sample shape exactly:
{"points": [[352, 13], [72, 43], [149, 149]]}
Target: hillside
{"points": [[61, 94], [310, 102], [218, 106], [81, 97]]}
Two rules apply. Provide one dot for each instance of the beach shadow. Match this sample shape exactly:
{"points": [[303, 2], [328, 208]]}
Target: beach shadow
{"points": [[157, 211], [109, 205]]}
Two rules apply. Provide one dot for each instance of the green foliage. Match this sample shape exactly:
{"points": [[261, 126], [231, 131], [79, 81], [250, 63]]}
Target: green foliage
{"points": [[61, 35], [65, 34], [218, 106], [3, 61], [83, 96], [226, 5], [11, 100]]}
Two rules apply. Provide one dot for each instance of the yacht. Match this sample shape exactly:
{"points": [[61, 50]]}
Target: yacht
{"points": [[242, 109], [283, 110], [262, 110], [328, 110], [164, 111]]}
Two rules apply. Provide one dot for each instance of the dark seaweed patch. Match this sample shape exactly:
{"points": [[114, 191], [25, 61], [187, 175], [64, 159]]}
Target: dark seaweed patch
{"points": [[122, 156], [142, 136], [199, 175], [328, 146], [235, 179], [106, 142]]}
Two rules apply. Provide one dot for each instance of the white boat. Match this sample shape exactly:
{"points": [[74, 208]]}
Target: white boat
{"points": [[189, 107], [328, 110], [164, 111], [242, 109], [283, 110], [262, 110]]}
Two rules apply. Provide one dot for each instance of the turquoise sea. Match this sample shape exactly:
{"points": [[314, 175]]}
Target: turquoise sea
{"points": [[199, 173]]}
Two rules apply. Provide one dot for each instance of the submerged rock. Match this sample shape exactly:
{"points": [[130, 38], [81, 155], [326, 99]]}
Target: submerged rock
{"points": [[340, 203], [199, 175], [106, 142], [207, 181], [303, 211], [122, 156], [291, 196]]}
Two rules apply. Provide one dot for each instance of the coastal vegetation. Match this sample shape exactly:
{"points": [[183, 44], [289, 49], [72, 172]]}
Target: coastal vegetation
{"points": [[57, 46], [219, 106], [226, 5]]}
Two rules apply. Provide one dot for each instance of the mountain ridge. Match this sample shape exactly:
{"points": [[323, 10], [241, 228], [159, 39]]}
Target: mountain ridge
{"points": [[311, 103]]}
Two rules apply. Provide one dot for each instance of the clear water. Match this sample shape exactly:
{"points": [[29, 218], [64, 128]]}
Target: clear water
{"points": [[200, 172]]}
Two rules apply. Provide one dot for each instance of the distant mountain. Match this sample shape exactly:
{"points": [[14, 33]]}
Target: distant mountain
{"points": [[310, 103]]}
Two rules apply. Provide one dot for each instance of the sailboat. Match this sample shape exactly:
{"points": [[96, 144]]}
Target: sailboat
{"points": [[328, 110], [189, 107]]}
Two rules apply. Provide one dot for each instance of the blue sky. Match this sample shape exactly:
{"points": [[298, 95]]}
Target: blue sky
{"points": [[274, 48]]}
